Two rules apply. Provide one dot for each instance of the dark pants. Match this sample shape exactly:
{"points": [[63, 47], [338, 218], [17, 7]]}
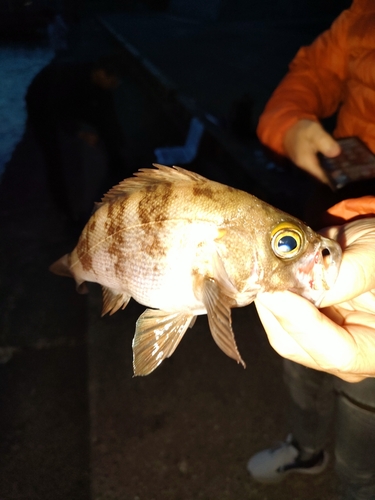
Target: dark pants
{"points": [[314, 397]]}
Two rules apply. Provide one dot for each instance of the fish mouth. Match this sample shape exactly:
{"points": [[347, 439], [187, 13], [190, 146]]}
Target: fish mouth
{"points": [[331, 259], [319, 273]]}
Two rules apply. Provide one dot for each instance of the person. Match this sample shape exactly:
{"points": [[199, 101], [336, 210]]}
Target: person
{"points": [[70, 105], [331, 349], [338, 339], [326, 79]]}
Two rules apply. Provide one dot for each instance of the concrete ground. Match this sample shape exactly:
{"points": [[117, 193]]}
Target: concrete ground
{"points": [[74, 423], [44, 416]]}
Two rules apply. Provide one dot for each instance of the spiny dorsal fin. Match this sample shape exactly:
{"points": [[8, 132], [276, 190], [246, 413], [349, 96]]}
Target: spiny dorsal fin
{"points": [[151, 176], [171, 174]]}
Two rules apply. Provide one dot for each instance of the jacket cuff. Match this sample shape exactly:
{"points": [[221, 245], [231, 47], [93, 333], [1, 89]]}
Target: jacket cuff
{"points": [[273, 126]]}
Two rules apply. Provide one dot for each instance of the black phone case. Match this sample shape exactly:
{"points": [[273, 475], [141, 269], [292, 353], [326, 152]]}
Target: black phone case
{"points": [[355, 163]]}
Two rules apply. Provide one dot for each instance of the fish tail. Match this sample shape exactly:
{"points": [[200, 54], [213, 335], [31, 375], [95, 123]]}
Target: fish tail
{"points": [[62, 268]]}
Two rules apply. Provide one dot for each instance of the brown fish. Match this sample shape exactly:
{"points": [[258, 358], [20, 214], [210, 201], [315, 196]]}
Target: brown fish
{"points": [[184, 245]]}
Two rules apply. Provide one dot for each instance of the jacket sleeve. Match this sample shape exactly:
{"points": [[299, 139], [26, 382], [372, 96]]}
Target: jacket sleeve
{"points": [[312, 88], [350, 209]]}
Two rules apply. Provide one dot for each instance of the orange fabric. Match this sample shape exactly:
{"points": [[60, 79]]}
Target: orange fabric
{"points": [[336, 70], [351, 209]]}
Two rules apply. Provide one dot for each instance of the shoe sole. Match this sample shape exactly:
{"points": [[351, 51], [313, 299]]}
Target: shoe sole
{"points": [[318, 469]]}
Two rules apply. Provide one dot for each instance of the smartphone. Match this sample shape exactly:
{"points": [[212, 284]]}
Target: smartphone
{"points": [[355, 163]]}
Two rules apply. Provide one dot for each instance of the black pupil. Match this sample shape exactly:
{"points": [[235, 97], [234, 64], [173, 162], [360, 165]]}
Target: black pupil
{"points": [[287, 244]]}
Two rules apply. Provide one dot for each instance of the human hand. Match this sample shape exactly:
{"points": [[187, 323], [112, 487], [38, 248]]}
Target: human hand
{"points": [[339, 338], [304, 140]]}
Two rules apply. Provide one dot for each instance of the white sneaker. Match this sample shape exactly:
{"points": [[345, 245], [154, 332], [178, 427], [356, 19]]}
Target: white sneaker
{"points": [[273, 464]]}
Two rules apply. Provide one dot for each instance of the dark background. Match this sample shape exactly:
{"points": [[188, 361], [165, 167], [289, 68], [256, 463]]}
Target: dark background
{"points": [[74, 423]]}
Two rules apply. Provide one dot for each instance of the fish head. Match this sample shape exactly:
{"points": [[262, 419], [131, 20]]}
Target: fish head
{"points": [[306, 262]]}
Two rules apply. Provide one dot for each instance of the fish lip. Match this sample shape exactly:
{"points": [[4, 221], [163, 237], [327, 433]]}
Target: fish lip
{"points": [[319, 272], [332, 261], [327, 262]]}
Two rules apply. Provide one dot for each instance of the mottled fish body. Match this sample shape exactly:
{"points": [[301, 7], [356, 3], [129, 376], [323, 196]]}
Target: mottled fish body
{"points": [[184, 245]]}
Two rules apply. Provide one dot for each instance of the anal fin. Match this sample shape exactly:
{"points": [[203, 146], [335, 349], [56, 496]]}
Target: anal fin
{"points": [[218, 306], [157, 335], [113, 301]]}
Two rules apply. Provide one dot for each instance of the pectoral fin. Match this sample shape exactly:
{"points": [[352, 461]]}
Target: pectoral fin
{"points": [[157, 335], [218, 306], [113, 301]]}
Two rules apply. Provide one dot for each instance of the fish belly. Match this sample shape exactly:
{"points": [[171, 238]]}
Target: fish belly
{"points": [[157, 265]]}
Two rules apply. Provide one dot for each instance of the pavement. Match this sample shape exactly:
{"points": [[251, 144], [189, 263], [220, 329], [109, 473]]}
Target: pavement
{"points": [[74, 422]]}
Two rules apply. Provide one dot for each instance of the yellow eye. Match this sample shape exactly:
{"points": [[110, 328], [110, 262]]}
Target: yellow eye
{"points": [[287, 240]]}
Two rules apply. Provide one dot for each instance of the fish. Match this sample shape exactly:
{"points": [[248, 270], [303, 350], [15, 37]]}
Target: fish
{"points": [[183, 245]]}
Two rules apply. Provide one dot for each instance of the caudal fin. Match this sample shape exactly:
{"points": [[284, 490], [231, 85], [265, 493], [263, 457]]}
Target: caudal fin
{"points": [[62, 268]]}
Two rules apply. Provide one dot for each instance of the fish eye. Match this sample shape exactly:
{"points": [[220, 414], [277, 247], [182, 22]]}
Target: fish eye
{"points": [[287, 240]]}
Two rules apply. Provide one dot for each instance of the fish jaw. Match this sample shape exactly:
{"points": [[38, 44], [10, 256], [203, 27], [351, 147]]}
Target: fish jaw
{"points": [[318, 270]]}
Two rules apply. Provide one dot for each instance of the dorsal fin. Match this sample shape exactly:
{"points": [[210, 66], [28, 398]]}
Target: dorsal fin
{"points": [[162, 173], [151, 176]]}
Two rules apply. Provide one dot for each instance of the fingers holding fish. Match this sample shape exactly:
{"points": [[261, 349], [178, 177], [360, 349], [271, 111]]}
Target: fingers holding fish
{"points": [[356, 275], [336, 340]]}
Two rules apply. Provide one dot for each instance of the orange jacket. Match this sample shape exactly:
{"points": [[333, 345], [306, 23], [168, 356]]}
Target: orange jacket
{"points": [[349, 210], [337, 69]]}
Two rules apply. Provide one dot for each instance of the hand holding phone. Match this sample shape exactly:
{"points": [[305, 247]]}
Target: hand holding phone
{"points": [[355, 163]]}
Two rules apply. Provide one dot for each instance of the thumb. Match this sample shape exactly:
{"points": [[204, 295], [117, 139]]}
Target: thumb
{"points": [[327, 145], [322, 343]]}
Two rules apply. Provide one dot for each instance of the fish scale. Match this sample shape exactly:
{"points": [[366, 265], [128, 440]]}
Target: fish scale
{"points": [[183, 245]]}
